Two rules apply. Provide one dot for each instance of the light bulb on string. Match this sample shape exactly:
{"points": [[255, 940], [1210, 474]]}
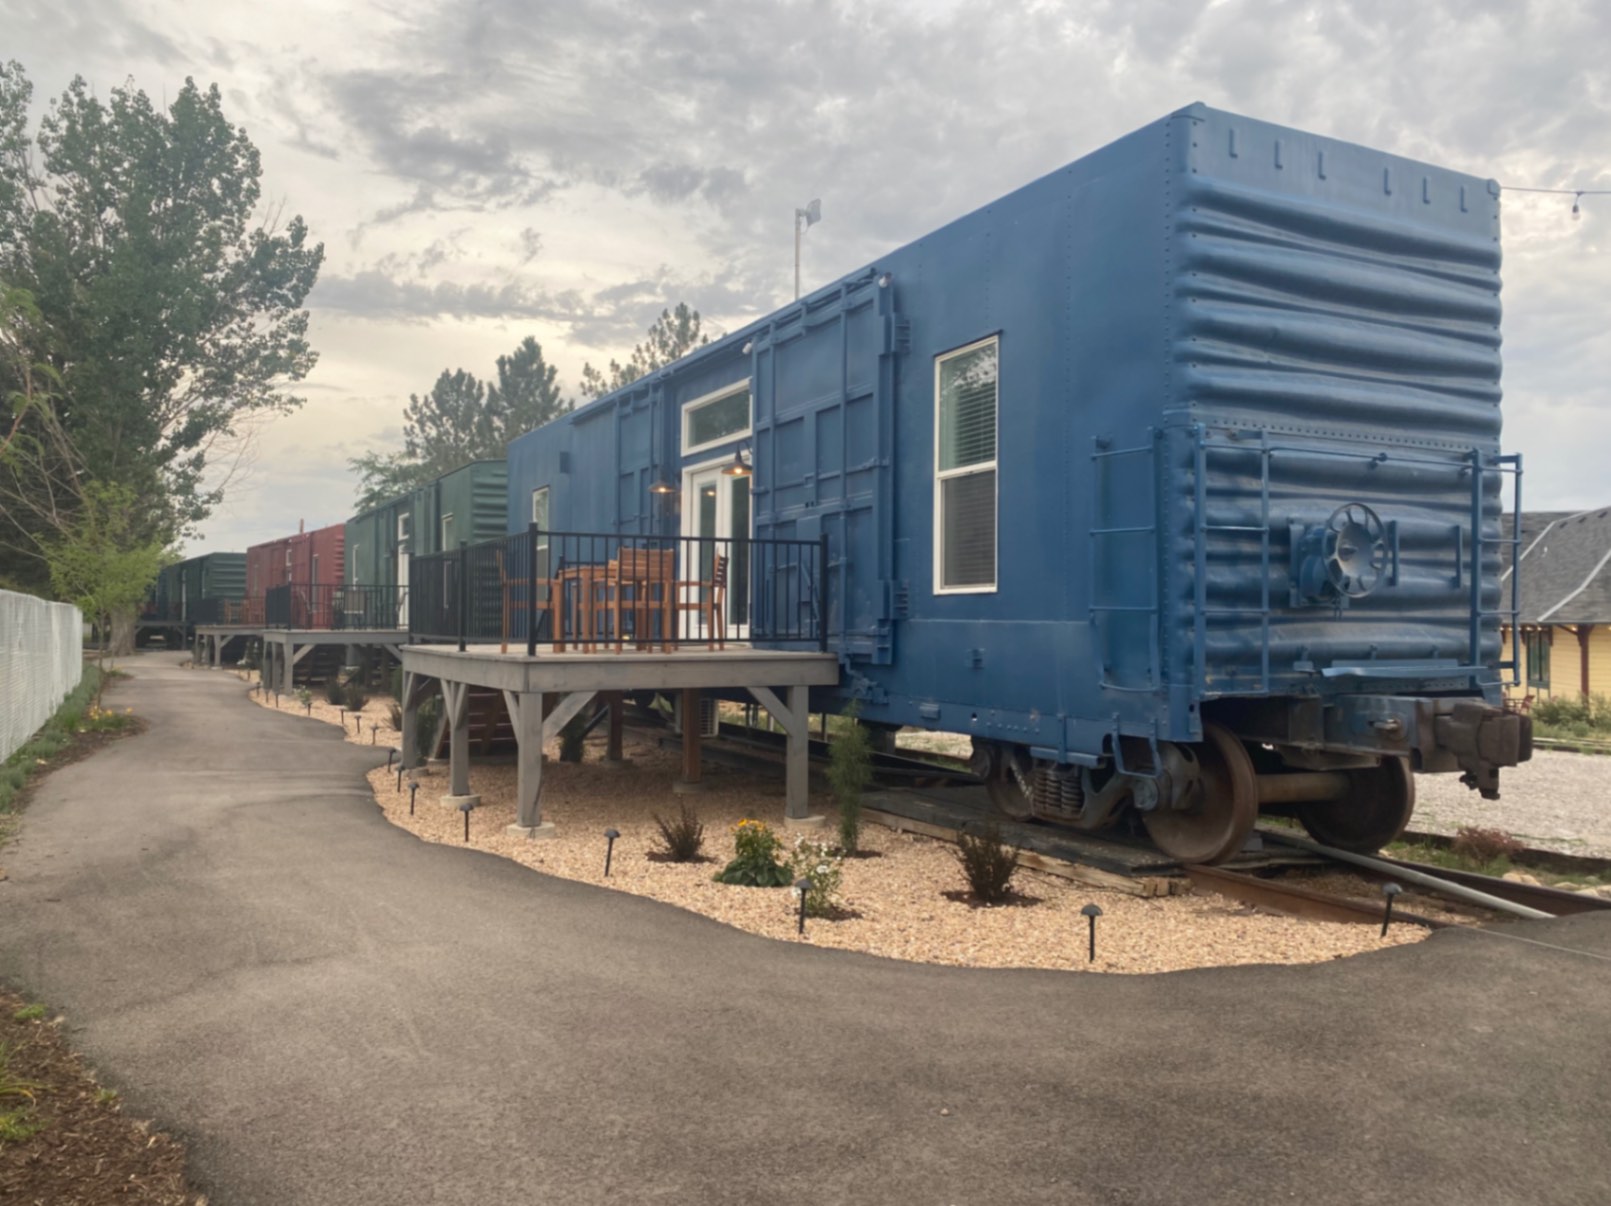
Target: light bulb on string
{"points": [[1577, 209]]}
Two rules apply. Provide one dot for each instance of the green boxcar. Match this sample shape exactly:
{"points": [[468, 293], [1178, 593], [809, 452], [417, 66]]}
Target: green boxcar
{"points": [[184, 591], [470, 504]]}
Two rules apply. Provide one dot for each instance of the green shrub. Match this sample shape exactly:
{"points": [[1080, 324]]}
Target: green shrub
{"points": [[850, 770], [755, 860], [394, 713], [682, 837], [425, 723], [355, 696], [335, 691], [1562, 711], [987, 862]]}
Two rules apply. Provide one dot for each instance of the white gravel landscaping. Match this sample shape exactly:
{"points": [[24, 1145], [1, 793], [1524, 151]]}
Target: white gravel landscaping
{"points": [[896, 901], [1557, 801]]}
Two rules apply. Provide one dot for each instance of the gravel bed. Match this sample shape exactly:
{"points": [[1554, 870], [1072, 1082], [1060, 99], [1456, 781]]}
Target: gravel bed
{"points": [[903, 902], [1557, 801]]}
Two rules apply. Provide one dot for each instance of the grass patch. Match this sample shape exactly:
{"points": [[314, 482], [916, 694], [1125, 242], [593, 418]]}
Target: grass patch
{"points": [[56, 742], [17, 1120], [29, 1013]]}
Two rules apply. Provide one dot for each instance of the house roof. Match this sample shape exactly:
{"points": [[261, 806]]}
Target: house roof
{"points": [[1566, 567]]}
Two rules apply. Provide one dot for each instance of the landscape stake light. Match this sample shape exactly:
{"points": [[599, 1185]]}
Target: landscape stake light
{"points": [[399, 774], [1389, 891], [391, 752], [373, 729], [801, 887], [1091, 912], [465, 809], [343, 719], [412, 788], [609, 848]]}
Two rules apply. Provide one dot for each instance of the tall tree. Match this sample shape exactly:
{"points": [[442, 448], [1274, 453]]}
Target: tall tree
{"points": [[175, 308], [448, 426], [527, 394], [463, 419], [674, 334]]}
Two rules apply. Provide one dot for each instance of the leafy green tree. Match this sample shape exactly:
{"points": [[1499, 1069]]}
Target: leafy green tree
{"points": [[102, 563], [175, 311], [384, 476], [34, 446], [674, 334]]}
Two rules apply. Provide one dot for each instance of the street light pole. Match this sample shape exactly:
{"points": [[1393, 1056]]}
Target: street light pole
{"points": [[803, 218]]}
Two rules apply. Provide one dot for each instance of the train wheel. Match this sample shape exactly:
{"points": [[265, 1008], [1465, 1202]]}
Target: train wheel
{"points": [[1217, 826], [1008, 792], [1373, 813]]}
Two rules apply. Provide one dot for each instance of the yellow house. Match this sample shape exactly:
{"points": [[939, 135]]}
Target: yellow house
{"points": [[1565, 617]]}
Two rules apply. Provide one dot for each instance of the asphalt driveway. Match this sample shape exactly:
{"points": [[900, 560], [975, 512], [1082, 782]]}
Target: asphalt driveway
{"points": [[333, 1012]]}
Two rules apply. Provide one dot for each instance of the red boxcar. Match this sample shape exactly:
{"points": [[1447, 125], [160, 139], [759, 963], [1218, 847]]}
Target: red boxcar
{"points": [[313, 563]]}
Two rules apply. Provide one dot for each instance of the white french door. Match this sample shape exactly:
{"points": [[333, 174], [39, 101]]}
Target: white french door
{"points": [[717, 507]]}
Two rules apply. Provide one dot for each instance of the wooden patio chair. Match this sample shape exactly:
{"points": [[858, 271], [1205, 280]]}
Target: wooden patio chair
{"points": [[552, 606], [709, 601], [649, 575]]}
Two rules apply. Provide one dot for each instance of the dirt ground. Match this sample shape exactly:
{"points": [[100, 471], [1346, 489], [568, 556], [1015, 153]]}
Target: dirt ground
{"points": [[65, 1140]]}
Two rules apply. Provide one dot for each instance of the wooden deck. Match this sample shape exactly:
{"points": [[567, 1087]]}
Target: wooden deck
{"points": [[543, 692]]}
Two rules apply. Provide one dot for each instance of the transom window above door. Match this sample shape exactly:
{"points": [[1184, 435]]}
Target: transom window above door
{"points": [[717, 418]]}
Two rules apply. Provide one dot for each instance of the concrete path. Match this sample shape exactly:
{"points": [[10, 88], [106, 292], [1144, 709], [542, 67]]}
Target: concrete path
{"points": [[335, 1013]]}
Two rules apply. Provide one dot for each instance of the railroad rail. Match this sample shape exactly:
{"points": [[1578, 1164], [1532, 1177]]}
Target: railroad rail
{"points": [[1137, 868]]}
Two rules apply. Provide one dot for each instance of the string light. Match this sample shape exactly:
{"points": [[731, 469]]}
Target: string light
{"points": [[1577, 195]]}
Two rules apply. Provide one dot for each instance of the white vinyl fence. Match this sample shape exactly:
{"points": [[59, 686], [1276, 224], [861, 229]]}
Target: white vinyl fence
{"points": [[41, 660]]}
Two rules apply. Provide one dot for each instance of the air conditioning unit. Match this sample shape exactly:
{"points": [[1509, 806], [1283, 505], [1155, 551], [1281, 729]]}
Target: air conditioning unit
{"points": [[710, 720]]}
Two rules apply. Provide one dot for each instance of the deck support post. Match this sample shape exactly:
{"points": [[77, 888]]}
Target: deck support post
{"points": [[612, 748], [689, 708], [796, 722], [526, 716], [457, 699], [415, 689]]}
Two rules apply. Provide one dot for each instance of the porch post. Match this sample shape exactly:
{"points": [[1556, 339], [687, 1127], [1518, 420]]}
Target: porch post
{"points": [[526, 715], [612, 749], [458, 711], [690, 743], [411, 715], [797, 780]]}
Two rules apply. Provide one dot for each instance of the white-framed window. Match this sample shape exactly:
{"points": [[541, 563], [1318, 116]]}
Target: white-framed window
{"points": [[404, 527], [447, 531], [966, 400], [539, 507], [717, 418]]}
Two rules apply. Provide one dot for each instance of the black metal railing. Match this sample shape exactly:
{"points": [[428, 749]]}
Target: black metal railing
{"points": [[595, 591], [330, 607]]}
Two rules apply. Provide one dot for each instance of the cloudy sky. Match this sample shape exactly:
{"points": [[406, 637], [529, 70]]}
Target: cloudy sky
{"points": [[483, 171]]}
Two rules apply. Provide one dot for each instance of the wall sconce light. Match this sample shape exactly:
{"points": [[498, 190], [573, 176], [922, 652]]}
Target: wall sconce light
{"points": [[740, 467]]}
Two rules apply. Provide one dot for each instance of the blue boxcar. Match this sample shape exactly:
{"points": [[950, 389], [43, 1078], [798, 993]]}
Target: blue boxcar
{"points": [[1173, 478]]}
